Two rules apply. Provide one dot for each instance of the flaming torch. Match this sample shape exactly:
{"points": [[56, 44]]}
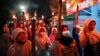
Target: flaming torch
{"points": [[14, 20]]}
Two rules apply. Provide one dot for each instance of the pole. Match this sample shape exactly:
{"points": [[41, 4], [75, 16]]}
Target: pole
{"points": [[59, 22], [53, 19], [34, 53], [59, 14], [23, 18], [76, 16], [77, 12], [15, 23], [14, 20]]}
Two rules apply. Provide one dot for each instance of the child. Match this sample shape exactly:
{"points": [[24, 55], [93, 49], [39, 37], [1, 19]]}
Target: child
{"points": [[21, 46]]}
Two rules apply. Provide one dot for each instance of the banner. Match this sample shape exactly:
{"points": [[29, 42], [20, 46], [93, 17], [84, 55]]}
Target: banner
{"points": [[71, 5]]}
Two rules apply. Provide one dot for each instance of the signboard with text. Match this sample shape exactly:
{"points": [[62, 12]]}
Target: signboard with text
{"points": [[72, 4]]}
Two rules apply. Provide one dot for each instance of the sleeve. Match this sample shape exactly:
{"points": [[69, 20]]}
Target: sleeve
{"points": [[30, 48], [30, 45], [11, 51], [75, 49], [82, 40], [73, 32], [48, 42]]}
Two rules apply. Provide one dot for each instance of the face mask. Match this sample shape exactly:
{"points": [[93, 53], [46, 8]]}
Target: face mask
{"points": [[66, 33]]}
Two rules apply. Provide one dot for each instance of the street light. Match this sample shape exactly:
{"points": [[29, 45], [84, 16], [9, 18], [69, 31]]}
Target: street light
{"points": [[23, 7]]}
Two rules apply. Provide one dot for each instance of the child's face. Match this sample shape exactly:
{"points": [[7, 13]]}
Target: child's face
{"points": [[6, 28], [21, 25], [54, 31], [22, 37]]}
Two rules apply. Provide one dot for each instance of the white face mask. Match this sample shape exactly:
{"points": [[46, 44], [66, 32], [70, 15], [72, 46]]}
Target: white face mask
{"points": [[66, 33]]}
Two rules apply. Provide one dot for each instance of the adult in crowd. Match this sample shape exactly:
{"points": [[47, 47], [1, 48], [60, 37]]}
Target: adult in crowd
{"points": [[43, 42], [5, 39], [75, 34], [64, 45], [90, 39]]}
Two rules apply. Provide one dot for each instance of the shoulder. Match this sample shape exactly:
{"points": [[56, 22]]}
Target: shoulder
{"points": [[29, 42], [11, 48], [82, 34], [46, 37]]}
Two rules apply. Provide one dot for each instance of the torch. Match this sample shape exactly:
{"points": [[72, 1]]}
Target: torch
{"points": [[14, 20], [53, 18], [34, 53]]}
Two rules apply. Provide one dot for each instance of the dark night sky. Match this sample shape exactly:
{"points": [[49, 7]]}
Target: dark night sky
{"points": [[7, 5]]}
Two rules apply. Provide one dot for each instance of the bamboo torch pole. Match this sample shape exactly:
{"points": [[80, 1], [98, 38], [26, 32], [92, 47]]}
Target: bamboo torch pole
{"points": [[34, 53], [77, 12], [76, 16], [53, 19], [59, 14], [59, 22], [14, 20]]}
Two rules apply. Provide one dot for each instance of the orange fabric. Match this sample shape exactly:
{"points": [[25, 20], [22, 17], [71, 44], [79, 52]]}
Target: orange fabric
{"points": [[92, 37]]}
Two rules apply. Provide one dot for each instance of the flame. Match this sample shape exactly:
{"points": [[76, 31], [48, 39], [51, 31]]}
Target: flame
{"points": [[14, 16]]}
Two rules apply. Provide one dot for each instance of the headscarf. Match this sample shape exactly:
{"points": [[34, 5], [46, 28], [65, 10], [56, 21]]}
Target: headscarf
{"points": [[42, 42], [52, 34], [65, 40], [16, 32], [93, 36], [45, 32], [63, 27], [17, 49]]}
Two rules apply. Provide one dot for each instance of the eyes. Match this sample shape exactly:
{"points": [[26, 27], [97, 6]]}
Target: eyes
{"points": [[65, 29], [42, 30], [21, 34], [92, 23]]}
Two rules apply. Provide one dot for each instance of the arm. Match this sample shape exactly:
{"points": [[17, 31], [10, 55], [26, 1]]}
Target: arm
{"points": [[48, 42], [76, 22], [76, 53], [59, 49]]}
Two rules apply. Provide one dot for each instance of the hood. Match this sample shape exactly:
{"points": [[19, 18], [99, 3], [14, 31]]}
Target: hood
{"points": [[63, 27], [16, 32], [87, 22], [53, 29]]}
